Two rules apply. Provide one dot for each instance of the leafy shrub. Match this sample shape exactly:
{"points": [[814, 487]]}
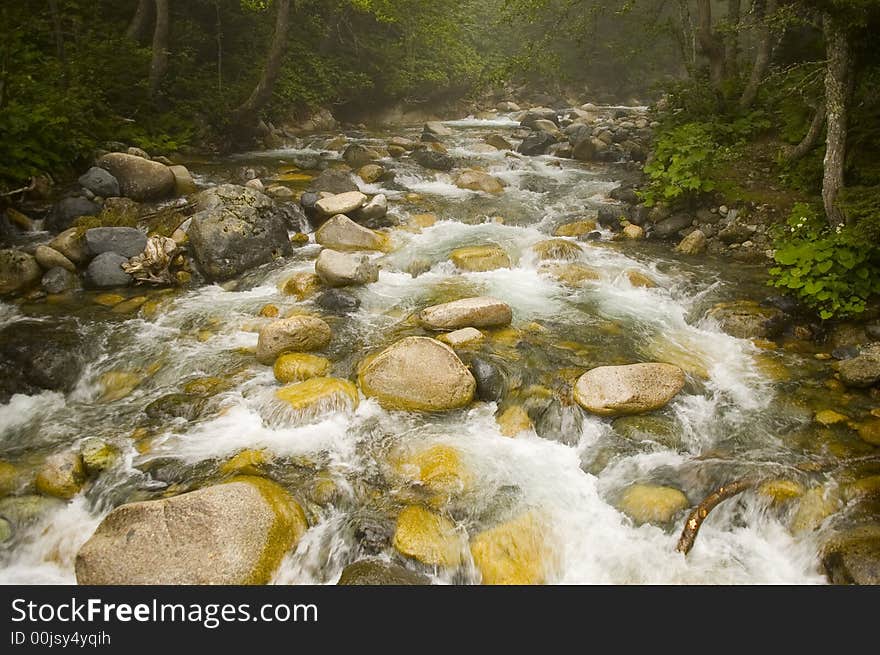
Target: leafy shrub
{"points": [[681, 163], [834, 270]]}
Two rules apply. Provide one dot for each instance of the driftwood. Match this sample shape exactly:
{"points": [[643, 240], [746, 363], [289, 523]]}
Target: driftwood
{"points": [[24, 189], [696, 518], [152, 265]]}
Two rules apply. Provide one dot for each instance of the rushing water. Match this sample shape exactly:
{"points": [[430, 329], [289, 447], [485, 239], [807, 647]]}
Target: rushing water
{"points": [[734, 417]]}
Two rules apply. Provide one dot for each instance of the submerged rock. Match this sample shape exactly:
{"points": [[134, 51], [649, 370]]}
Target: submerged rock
{"points": [[434, 160], [320, 394], [337, 301], [37, 355], [491, 380], [513, 553], [746, 319], [469, 312], [863, 370], [853, 556], [479, 181], [380, 573], [417, 373], [234, 534], [295, 334], [633, 389], [428, 537], [18, 271], [479, 259], [296, 367], [645, 503], [558, 249]]}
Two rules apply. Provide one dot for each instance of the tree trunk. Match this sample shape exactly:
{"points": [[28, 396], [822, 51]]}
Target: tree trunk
{"points": [[811, 138], [710, 44], [246, 116], [836, 100], [159, 63], [140, 22], [764, 9], [59, 40], [731, 46]]}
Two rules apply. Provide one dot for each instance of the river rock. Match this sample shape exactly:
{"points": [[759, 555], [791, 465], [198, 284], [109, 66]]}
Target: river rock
{"points": [[536, 144], [479, 181], [371, 173], [462, 338], [428, 537], [68, 210], [357, 155], [49, 258], [633, 389], [70, 244], [439, 161], [747, 319], [105, 271], [233, 534], [58, 280], [37, 355], [469, 312], [62, 475], [296, 367], [437, 129], [18, 271], [294, 334], [537, 114], [480, 258], [340, 269], [343, 203], [560, 421], [557, 249], [853, 556], [544, 125], [319, 395], [377, 572], [513, 421], [499, 142], [342, 233], [419, 374], [572, 274], [337, 302], [97, 455], [575, 229], [374, 210], [670, 227], [646, 503], [184, 184], [491, 380], [237, 229], [99, 182], [863, 370], [513, 553], [633, 232], [693, 244], [139, 179], [334, 181], [176, 405], [126, 241]]}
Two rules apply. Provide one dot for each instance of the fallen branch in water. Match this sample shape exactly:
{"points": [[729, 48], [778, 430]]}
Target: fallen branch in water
{"points": [[696, 518], [24, 189]]}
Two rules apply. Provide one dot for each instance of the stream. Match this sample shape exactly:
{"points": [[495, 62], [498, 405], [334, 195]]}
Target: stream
{"points": [[746, 409]]}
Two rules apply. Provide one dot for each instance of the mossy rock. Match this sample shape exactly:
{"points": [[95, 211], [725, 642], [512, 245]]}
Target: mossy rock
{"points": [[428, 537]]}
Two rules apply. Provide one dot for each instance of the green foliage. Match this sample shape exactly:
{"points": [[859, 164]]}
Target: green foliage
{"points": [[832, 269], [682, 160]]}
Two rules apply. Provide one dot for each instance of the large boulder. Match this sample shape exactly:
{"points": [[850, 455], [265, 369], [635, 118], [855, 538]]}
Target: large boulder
{"points": [[417, 374], [439, 161], [342, 233], [237, 229], [633, 389], [670, 227], [234, 534], [139, 179], [746, 319], [863, 370], [480, 258], [469, 312], [18, 271], [479, 181], [68, 210], [294, 334], [373, 211], [100, 182], [126, 241], [105, 271], [343, 203], [539, 114], [38, 355], [647, 503], [341, 269], [357, 155]]}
